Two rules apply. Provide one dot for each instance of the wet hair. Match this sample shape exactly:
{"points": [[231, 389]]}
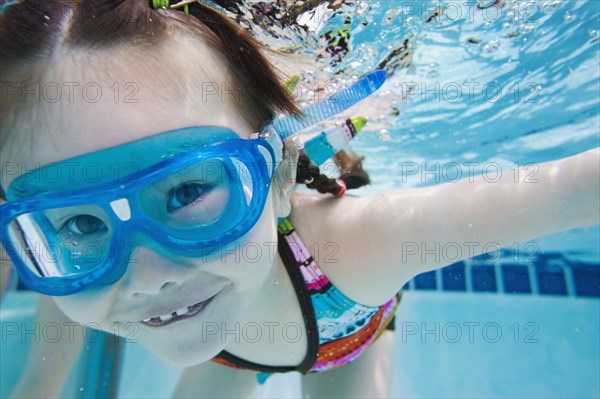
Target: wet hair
{"points": [[31, 29], [311, 175]]}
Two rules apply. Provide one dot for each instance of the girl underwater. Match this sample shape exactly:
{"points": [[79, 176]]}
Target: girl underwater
{"points": [[188, 180]]}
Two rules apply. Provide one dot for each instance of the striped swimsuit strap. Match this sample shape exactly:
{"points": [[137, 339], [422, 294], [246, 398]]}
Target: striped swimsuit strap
{"points": [[338, 329]]}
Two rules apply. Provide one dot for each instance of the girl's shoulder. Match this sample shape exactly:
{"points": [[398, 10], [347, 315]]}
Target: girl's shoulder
{"points": [[314, 214], [322, 211], [328, 228]]}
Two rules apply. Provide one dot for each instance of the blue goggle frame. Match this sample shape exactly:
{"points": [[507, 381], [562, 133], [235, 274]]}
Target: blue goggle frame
{"points": [[239, 217]]}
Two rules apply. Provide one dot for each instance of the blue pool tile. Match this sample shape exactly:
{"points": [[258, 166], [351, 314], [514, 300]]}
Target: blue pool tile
{"points": [[551, 280], [426, 281], [586, 278], [543, 258], [483, 278], [516, 279], [453, 277]]}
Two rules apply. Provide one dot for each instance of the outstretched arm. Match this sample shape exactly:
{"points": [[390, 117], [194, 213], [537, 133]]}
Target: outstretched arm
{"points": [[387, 239]]}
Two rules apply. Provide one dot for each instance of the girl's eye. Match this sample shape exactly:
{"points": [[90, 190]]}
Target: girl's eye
{"points": [[185, 194], [85, 224]]}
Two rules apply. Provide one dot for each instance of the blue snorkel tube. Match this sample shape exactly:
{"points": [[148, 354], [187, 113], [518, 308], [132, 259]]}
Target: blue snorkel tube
{"points": [[288, 125]]}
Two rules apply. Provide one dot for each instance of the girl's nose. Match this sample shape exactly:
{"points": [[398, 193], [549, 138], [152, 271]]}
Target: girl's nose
{"points": [[150, 273]]}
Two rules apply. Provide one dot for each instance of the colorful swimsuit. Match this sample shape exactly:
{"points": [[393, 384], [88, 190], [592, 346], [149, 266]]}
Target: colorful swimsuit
{"points": [[339, 330]]}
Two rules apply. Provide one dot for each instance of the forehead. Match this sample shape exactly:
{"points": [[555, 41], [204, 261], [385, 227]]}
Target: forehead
{"points": [[86, 102]]}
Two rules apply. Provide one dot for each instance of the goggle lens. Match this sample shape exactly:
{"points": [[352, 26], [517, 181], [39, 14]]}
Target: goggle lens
{"points": [[61, 242]]}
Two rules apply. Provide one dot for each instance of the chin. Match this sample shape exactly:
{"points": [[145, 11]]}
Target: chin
{"points": [[189, 342], [184, 354]]}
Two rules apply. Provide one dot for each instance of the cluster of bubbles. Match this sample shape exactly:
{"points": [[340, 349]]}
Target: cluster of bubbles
{"points": [[387, 35]]}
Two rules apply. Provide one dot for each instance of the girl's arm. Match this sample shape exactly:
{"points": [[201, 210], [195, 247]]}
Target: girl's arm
{"points": [[387, 239]]}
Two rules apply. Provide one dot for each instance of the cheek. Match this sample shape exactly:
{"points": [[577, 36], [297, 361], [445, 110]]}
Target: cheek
{"points": [[249, 261], [89, 308]]}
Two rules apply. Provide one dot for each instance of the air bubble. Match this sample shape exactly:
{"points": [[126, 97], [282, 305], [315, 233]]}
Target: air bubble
{"points": [[362, 9], [491, 46], [526, 28], [384, 135]]}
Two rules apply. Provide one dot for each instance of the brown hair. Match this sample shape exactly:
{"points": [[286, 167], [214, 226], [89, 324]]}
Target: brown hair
{"points": [[311, 175], [31, 29]]}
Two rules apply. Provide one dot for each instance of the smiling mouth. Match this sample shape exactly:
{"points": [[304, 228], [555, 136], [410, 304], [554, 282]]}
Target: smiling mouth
{"points": [[179, 314]]}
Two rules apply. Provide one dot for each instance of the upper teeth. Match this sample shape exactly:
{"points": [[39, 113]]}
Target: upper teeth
{"points": [[179, 312], [182, 311], [166, 317], [187, 311]]}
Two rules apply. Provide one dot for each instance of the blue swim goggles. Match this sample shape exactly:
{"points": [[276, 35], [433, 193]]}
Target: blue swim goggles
{"points": [[191, 190], [72, 225]]}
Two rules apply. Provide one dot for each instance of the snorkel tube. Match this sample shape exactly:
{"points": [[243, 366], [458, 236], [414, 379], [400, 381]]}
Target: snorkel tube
{"points": [[286, 126], [331, 141]]}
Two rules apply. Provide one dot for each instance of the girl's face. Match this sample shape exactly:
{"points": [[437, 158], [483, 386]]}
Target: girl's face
{"points": [[94, 114]]}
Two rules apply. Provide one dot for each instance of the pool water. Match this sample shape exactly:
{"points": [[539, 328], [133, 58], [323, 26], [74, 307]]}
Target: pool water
{"points": [[483, 84], [448, 345]]}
